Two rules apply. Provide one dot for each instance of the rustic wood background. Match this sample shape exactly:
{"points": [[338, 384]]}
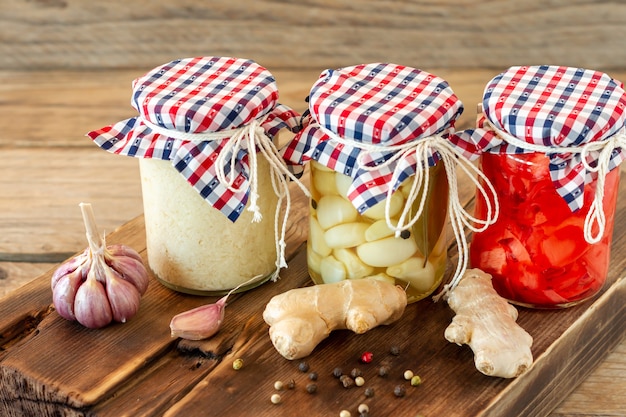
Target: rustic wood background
{"points": [[66, 68], [293, 34]]}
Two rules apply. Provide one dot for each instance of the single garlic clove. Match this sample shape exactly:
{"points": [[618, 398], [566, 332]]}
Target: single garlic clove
{"points": [[123, 250], [91, 306], [346, 235], [199, 323], [332, 270], [123, 296], [386, 252], [64, 293], [68, 267], [130, 269]]}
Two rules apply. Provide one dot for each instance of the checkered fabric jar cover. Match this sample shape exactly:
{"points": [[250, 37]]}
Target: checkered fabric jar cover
{"points": [[186, 109], [575, 116], [362, 115]]}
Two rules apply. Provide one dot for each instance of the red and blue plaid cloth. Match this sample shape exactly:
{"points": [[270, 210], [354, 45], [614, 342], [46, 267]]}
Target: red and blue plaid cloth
{"points": [[556, 110], [198, 96], [360, 113]]}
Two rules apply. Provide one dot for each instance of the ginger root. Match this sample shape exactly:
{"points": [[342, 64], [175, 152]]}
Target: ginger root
{"points": [[487, 323], [301, 318]]}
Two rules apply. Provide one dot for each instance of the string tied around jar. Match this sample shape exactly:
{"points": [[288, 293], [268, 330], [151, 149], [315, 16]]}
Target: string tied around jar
{"points": [[606, 148], [248, 137], [451, 157]]}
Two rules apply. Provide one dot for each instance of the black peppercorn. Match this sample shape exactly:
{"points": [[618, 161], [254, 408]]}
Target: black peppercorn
{"points": [[311, 388], [303, 366], [356, 372], [405, 234], [369, 392], [399, 391], [346, 381], [313, 376], [337, 372], [383, 371], [395, 350]]}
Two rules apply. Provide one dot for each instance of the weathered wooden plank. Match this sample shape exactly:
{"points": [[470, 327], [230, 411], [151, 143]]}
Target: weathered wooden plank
{"points": [[290, 34], [451, 385]]}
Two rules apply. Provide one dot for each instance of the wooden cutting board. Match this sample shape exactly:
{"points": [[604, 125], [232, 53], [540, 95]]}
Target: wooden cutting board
{"points": [[52, 367]]}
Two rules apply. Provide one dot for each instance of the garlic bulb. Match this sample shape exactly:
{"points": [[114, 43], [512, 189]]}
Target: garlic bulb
{"points": [[100, 285]]}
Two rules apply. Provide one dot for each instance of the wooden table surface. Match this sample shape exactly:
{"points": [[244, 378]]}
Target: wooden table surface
{"points": [[49, 166]]}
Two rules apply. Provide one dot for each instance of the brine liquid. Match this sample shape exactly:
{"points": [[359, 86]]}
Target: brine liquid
{"points": [[344, 244], [536, 252]]}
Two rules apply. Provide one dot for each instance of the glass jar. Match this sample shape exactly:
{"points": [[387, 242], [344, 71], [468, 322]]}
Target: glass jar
{"points": [[378, 146], [536, 251], [192, 247], [550, 140], [212, 178], [344, 244]]}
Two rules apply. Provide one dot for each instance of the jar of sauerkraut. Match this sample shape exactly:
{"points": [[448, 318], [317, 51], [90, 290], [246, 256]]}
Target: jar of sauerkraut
{"points": [[212, 178], [553, 138], [380, 168]]}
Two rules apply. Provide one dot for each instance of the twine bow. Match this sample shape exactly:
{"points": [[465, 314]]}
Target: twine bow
{"points": [[451, 158], [248, 137], [602, 168]]}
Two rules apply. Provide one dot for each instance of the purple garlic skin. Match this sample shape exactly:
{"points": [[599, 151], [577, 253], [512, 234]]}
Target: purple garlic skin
{"points": [[199, 323], [100, 286]]}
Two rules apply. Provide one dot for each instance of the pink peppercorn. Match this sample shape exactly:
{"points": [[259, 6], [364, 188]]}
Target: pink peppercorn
{"points": [[367, 357]]}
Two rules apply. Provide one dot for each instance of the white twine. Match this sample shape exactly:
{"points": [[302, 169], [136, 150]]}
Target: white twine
{"points": [[252, 135], [451, 158], [605, 147]]}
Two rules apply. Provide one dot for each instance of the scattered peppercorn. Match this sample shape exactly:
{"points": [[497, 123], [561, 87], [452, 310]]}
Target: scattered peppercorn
{"points": [[237, 364], [314, 204], [369, 392], [355, 372], [383, 371], [364, 414], [337, 372], [344, 413], [416, 380], [359, 381], [367, 357], [303, 366], [346, 381], [405, 234], [291, 384], [311, 388], [399, 391], [408, 374], [313, 376], [276, 399], [363, 408], [278, 385], [395, 350]]}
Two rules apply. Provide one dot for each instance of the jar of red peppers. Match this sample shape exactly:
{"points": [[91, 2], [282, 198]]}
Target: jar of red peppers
{"points": [[550, 140], [212, 179], [381, 167]]}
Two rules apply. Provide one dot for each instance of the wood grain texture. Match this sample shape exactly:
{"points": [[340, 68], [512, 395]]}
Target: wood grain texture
{"points": [[51, 167], [291, 34], [567, 345]]}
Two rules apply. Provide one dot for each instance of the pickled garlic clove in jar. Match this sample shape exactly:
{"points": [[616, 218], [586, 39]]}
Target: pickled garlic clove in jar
{"points": [[344, 244]]}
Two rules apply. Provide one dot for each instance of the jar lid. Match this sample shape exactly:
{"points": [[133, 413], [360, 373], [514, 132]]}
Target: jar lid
{"points": [[189, 112], [575, 116], [361, 116]]}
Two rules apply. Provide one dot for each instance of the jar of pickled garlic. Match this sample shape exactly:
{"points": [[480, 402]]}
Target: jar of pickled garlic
{"points": [[553, 138], [378, 148], [212, 178]]}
